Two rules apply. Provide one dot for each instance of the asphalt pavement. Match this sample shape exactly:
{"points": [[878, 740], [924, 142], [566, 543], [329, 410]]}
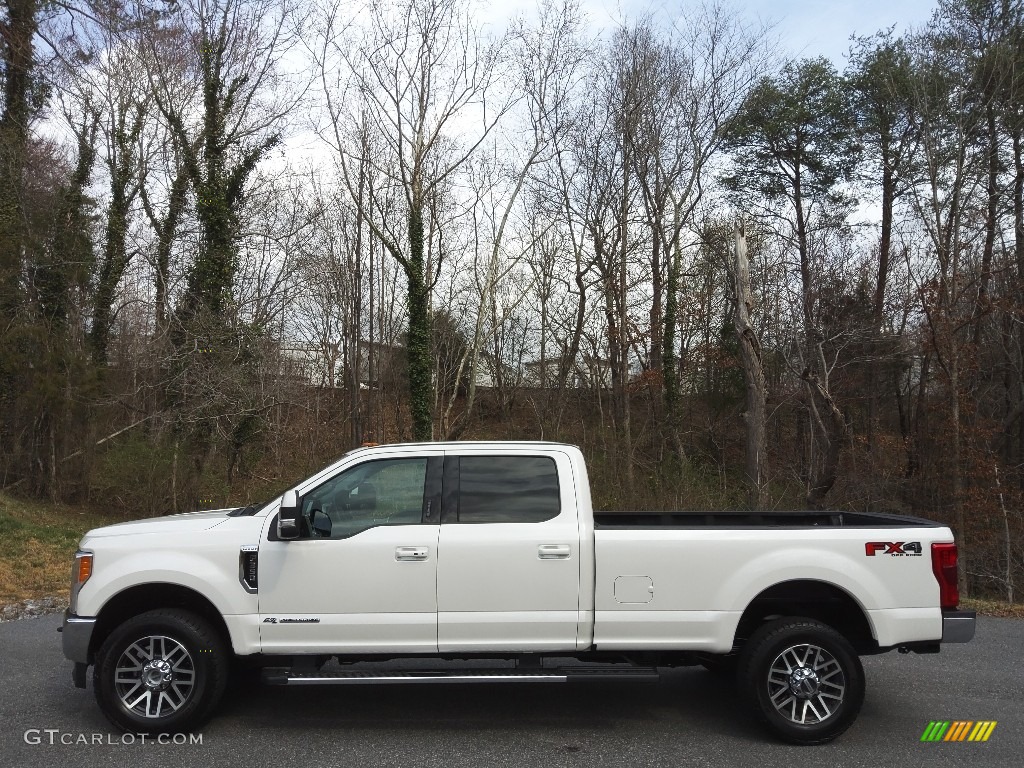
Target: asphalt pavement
{"points": [[689, 718]]}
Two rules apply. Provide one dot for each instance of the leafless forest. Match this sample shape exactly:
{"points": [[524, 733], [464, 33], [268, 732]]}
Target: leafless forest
{"points": [[240, 237]]}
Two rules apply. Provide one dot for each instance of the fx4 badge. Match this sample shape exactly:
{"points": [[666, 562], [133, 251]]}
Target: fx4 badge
{"points": [[895, 548]]}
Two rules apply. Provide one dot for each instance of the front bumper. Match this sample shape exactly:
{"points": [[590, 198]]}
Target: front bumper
{"points": [[958, 626], [75, 637]]}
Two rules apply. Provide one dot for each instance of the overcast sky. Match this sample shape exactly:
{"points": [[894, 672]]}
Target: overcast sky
{"points": [[823, 27], [804, 27]]}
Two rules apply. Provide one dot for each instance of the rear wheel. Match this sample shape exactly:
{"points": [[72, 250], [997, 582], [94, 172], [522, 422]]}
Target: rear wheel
{"points": [[161, 672], [803, 679]]}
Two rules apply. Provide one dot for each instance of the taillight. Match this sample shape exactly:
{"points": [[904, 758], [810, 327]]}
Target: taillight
{"points": [[944, 567]]}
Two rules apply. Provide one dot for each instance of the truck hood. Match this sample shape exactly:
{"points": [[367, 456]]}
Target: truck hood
{"points": [[183, 523]]}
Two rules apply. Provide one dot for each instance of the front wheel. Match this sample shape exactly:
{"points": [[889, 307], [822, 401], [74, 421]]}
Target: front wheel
{"points": [[161, 672], [803, 679]]}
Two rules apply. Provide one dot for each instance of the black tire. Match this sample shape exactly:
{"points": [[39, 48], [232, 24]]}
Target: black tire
{"points": [[813, 705], [174, 667]]}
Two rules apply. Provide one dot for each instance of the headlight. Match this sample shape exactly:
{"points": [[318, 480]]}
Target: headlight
{"points": [[81, 570]]}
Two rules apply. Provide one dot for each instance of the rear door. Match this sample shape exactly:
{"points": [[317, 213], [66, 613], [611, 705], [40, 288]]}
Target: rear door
{"points": [[508, 568]]}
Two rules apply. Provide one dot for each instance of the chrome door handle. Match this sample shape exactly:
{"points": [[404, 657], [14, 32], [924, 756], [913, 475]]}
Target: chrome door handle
{"points": [[411, 553], [553, 551]]}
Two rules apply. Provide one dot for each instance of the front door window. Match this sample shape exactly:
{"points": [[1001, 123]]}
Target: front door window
{"points": [[376, 493]]}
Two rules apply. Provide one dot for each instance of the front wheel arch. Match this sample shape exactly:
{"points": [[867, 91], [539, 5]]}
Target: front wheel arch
{"points": [[150, 596]]}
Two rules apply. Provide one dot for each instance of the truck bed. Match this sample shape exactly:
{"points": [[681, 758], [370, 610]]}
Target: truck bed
{"points": [[612, 520]]}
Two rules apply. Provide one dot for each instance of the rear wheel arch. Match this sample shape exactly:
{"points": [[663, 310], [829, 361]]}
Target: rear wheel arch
{"points": [[819, 600]]}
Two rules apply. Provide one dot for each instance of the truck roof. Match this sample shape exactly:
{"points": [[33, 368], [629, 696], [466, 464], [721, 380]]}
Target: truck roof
{"points": [[465, 443]]}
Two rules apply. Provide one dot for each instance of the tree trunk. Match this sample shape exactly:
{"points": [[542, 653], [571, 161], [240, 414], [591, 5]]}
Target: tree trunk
{"points": [[18, 34], [657, 288], [418, 350], [878, 309], [991, 224], [670, 358], [1018, 240], [112, 267], [165, 228], [755, 416], [831, 425], [622, 305], [356, 328]]}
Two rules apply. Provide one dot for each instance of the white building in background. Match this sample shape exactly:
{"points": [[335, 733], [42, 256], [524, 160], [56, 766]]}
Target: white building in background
{"points": [[587, 371], [324, 365]]}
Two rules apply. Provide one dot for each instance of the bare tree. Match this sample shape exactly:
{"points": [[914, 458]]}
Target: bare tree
{"points": [[794, 145], [420, 75], [227, 123], [953, 166], [215, 73], [550, 57], [691, 85], [102, 78]]}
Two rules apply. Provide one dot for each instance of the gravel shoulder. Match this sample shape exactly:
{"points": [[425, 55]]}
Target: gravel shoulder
{"points": [[30, 609]]}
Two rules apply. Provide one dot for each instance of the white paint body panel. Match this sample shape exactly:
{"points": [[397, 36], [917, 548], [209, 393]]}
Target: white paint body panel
{"points": [[174, 550], [495, 591], [705, 578], [483, 587], [363, 598]]}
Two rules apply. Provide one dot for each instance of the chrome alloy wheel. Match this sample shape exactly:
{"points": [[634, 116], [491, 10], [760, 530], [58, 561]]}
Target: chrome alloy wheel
{"points": [[806, 684], [154, 677]]}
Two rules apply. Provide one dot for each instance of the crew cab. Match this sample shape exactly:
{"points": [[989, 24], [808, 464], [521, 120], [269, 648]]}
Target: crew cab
{"points": [[493, 550]]}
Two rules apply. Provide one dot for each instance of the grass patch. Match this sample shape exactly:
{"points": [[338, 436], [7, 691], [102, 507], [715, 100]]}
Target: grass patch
{"points": [[37, 542], [993, 607]]}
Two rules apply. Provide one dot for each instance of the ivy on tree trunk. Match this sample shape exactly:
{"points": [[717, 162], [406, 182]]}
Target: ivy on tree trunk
{"points": [[420, 389]]}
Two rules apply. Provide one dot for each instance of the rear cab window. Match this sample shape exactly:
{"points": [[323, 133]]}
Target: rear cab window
{"points": [[507, 489]]}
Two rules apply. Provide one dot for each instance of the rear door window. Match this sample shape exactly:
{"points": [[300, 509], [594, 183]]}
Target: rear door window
{"points": [[508, 489]]}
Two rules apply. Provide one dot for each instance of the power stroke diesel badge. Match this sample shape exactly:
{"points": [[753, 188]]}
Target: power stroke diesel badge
{"points": [[272, 620]]}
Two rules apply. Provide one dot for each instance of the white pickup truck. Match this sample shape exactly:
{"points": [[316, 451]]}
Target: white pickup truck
{"points": [[493, 551]]}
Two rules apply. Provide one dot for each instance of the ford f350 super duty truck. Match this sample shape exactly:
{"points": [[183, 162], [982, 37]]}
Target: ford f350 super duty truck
{"points": [[493, 551]]}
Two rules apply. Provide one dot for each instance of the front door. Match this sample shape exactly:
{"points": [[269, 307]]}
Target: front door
{"points": [[361, 577], [508, 573]]}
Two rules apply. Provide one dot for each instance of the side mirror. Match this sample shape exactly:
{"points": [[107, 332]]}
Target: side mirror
{"points": [[288, 516]]}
